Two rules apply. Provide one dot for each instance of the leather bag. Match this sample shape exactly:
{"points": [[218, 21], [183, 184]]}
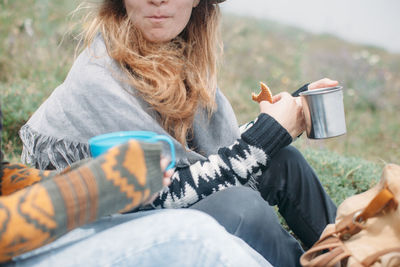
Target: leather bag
{"points": [[366, 231]]}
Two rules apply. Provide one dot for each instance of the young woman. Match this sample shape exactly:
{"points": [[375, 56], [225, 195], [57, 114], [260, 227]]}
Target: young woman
{"points": [[151, 65]]}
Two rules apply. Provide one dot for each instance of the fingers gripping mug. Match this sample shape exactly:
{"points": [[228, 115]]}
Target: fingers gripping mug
{"points": [[101, 143]]}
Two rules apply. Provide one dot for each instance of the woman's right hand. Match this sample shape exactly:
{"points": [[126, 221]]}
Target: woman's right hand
{"points": [[288, 111]]}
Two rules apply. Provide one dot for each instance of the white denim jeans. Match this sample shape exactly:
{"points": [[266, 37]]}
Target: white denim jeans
{"points": [[150, 238]]}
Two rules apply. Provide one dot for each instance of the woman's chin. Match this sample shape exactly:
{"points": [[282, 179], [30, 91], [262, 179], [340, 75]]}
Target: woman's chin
{"points": [[159, 37]]}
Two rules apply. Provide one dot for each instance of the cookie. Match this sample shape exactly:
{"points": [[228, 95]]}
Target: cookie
{"points": [[264, 95]]}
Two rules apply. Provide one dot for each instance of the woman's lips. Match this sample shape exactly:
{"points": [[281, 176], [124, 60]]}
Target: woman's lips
{"points": [[158, 19]]}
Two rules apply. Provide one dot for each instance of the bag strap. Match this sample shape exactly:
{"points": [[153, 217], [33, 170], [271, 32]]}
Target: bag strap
{"points": [[315, 256], [368, 261], [383, 201], [351, 224], [331, 239]]}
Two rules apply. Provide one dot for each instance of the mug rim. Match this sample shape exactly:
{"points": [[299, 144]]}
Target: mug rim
{"points": [[321, 91], [101, 137]]}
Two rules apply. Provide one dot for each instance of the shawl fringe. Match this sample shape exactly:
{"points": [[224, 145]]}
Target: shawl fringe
{"points": [[47, 152]]}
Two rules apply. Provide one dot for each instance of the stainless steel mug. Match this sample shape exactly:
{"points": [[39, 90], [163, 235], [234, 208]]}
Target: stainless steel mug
{"points": [[324, 112]]}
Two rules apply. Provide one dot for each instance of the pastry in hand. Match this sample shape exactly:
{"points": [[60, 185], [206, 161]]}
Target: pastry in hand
{"points": [[264, 95]]}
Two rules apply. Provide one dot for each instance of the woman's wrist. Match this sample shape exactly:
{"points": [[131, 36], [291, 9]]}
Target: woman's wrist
{"points": [[267, 134]]}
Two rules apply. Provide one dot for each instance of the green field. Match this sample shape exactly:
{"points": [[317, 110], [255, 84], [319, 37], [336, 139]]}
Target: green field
{"points": [[37, 48]]}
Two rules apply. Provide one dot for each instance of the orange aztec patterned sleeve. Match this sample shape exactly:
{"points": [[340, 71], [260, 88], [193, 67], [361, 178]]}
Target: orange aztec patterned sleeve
{"points": [[42, 209], [18, 176]]}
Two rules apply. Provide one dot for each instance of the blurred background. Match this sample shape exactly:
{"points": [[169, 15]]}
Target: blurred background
{"points": [[361, 21], [282, 43]]}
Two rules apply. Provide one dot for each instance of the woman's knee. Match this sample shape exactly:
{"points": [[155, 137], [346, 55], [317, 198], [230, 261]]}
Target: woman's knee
{"points": [[287, 168], [289, 155], [243, 212]]}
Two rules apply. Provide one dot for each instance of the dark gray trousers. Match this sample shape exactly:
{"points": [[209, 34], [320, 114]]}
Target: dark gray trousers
{"points": [[292, 185]]}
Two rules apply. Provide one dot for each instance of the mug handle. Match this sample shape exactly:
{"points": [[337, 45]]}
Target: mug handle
{"points": [[172, 149]]}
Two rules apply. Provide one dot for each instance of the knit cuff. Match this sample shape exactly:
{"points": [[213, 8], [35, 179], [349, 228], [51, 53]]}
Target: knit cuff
{"points": [[268, 134], [301, 89], [152, 153]]}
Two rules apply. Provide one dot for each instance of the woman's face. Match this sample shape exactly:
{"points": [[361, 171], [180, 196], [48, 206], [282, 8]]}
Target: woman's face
{"points": [[160, 20]]}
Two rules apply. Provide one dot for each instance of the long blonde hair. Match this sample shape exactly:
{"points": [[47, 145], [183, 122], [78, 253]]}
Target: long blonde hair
{"points": [[174, 78]]}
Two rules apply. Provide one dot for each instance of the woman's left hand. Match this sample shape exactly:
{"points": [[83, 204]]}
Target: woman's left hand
{"points": [[323, 83], [166, 179]]}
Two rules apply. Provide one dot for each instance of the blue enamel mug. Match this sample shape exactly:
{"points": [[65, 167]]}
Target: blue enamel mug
{"points": [[101, 143]]}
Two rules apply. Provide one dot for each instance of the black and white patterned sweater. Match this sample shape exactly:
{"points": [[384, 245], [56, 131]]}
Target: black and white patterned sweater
{"points": [[246, 159]]}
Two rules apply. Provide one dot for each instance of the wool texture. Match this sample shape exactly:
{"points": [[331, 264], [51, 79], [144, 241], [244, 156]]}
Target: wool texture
{"points": [[37, 207]]}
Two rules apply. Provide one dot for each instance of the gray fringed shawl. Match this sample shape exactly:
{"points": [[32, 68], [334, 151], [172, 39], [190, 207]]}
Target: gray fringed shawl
{"points": [[93, 100]]}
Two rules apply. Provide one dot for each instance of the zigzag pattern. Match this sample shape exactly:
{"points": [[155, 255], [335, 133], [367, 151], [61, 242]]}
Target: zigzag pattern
{"points": [[243, 166], [113, 172], [189, 185], [208, 170], [40, 210]]}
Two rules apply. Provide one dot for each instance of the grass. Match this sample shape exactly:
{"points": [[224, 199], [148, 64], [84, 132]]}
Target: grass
{"points": [[343, 176], [35, 55], [37, 49]]}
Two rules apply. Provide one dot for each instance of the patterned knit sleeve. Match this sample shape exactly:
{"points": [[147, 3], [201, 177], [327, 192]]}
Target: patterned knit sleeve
{"points": [[118, 181], [19, 176], [248, 157]]}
